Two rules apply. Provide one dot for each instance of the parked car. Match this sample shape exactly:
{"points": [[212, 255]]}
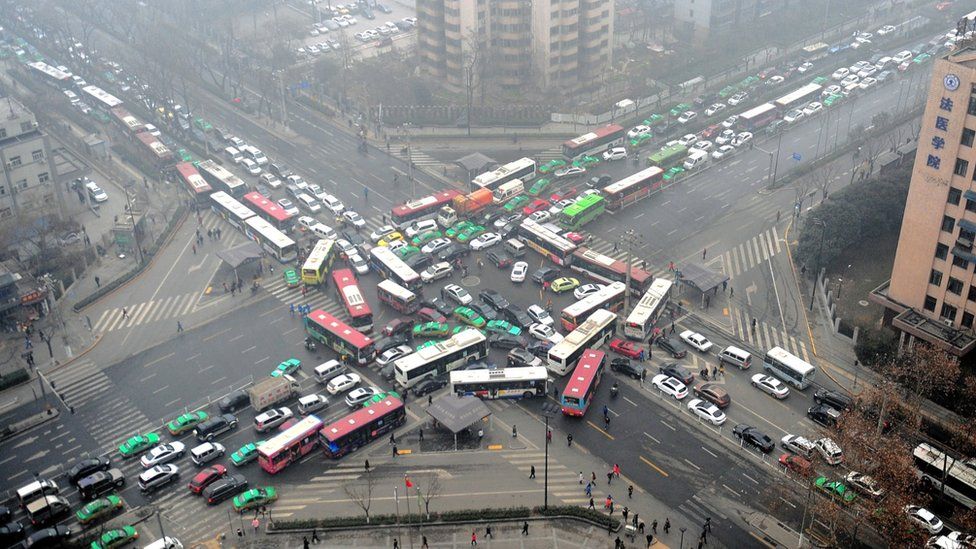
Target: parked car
{"points": [[754, 437], [671, 347]]}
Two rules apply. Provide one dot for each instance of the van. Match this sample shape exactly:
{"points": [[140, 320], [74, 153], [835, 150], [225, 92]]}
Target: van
{"points": [[326, 371], [255, 155], [322, 230], [234, 154], [46, 509], [830, 451], [95, 192], [206, 452], [311, 403], [515, 247], [100, 483], [157, 477], [735, 356], [308, 203], [507, 191], [36, 489], [696, 159], [883, 63], [166, 543]]}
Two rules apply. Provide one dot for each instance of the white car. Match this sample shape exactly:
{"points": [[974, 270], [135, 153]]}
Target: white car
{"points": [[505, 220], [741, 139], [270, 180], [850, 79], [587, 289], [421, 227], [793, 116], [707, 411], [832, 89], [670, 386], [540, 315], [307, 222], [738, 98], [901, 57], [390, 355], [844, 72], [343, 383], [702, 145], [867, 83], [714, 109], [813, 108], [723, 151], [560, 206], [616, 153], [687, 117], [435, 245], [163, 453], [457, 293], [696, 340], [687, 139], [541, 216], [353, 219], [925, 518], [357, 263], [251, 166], [773, 80], [867, 71], [569, 171], [887, 29], [321, 229], [272, 418], [340, 21], [771, 386], [296, 180], [360, 395], [730, 121], [333, 204], [150, 128], [638, 131], [804, 67], [382, 232], [287, 205], [798, 445], [486, 240], [545, 332], [436, 271], [725, 137], [345, 247], [519, 269]]}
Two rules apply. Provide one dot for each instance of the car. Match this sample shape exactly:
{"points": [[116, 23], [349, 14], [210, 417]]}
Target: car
{"points": [[54, 536], [849, 80], [798, 464], [291, 278], [586, 161], [824, 415], [714, 393], [832, 99], [586, 290], [725, 137], [723, 152], [738, 98], [234, 401], [439, 305], [835, 489], [360, 395], [272, 418], [255, 498], [425, 237], [730, 121], [505, 220], [569, 171], [638, 130], [540, 315], [453, 252], [813, 108], [515, 203], [793, 116], [798, 445], [99, 508], [551, 166], [925, 518], [520, 358], [771, 386], [867, 83], [887, 29], [678, 109], [707, 411], [503, 327], [116, 537], [615, 153], [390, 355], [457, 294], [250, 166], [486, 240], [206, 477], [467, 316], [452, 232], [545, 332], [671, 347], [358, 264], [834, 399], [865, 484], [435, 246], [436, 271], [287, 367], [702, 146], [867, 71], [628, 368], [559, 206], [288, 206], [841, 73], [687, 139], [517, 316], [713, 109], [185, 422], [541, 217], [406, 252], [163, 453], [670, 386], [343, 383], [138, 444], [431, 329], [678, 372], [535, 206], [493, 299], [246, 453], [696, 340], [899, 57], [832, 89], [545, 274], [84, 468], [687, 117], [419, 227], [627, 348], [505, 341], [773, 80], [741, 139], [352, 218], [383, 232], [428, 386], [564, 284], [224, 488], [397, 326], [332, 203], [754, 437]]}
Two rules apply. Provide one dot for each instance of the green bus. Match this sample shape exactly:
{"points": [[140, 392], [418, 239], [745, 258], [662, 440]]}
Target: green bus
{"points": [[582, 211], [668, 157]]}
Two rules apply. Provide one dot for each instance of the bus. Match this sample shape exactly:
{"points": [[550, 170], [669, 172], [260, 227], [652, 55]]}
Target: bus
{"points": [[953, 477], [607, 269], [221, 179], [51, 75], [440, 358], [522, 169], [423, 208], [586, 377], [611, 298], [348, 292], [362, 426], [101, 98], [758, 117], [390, 266], [269, 211], [231, 210], [153, 150], [595, 142], [341, 338], [798, 98], [788, 367], [290, 445], [490, 384], [271, 240], [591, 334], [641, 320], [547, 242], [582, 211], [398, 297], [319, 262], [668, 157], [193, 182], [633, 188], [127, 123]]}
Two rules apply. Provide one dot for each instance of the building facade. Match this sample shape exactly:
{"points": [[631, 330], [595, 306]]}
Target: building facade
{"points": [[701, 18], [29, 177]]}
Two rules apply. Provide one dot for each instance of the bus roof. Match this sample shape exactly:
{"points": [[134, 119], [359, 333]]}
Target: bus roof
{"points": [[667, 152], [460, 340], [346, 283], [391, 287], [487, 178], [268, 231], [193, 178], [318, 254], [339, 328], [649, 301], [757, 111], [49, 71], [393, 262], [104, 98], [582, 205], [586, 369], [154, 145], [796, 363], [632, 179], [499, 374], [362, 416], [303, 428], [231, 204], [595, 300], [588, 255], [596, 321], [536, 229], [258, 200], [221, 173], [437, 199], [129, 122], [598, 133], [790, 98]]}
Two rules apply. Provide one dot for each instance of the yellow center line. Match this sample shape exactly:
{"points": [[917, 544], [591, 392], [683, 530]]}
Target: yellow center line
{"points": [[599, 430], [655, 467], [761, 540]]}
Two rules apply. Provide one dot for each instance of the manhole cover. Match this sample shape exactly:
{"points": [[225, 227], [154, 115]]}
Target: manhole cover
{"points": [[471, 281], [863, 303]]}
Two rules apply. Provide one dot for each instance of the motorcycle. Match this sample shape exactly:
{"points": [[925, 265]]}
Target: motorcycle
{"points": [[309, 344], [614, 390]]}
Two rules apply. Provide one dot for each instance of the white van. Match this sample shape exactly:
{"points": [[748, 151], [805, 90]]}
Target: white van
{"points": [[420, 227], [95, 192], [166, 543], [308, 203], [207, 452], [36, 489], [696, 159], [515, 247], [735, 356], [883, 63], [830, 451], [322, 230], [311, 403], [255, 155], [325, 372], [234, 154], [508, 190]]}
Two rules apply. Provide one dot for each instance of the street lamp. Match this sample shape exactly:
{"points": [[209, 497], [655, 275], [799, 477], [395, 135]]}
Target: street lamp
{"points": [[816, 274], [682, 544], [548, 410]]}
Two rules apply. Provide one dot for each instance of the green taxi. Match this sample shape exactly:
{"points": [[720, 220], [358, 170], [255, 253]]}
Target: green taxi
{"points": [[586, 162], [291, 278], [246, 454], [186, 422], [138, 444], [406, 252], [470, 233], [426, 237], [255, 497], [641, 140], [820, 80], [429, 343], [539, 186], [184, 155], [431, 329], [516, 203], [101, 507], [287, 367], [458, 228], [458, 329], [564, 284], [679, 108], [672, 173], [503, 327], [552, 166], [469, 317], [116, 538], [835, 489]]}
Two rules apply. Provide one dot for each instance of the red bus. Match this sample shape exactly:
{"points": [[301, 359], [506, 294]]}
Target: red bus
{"points": [[362, 426], [348, 292], [595, 142], [153, 150], [290, 445], [607, 269], [269, 211], [578, 393], [193, 182], [633, 188], [422, 208], [341, 338]]}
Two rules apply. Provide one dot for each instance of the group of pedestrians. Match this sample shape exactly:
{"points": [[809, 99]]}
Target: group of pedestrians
{"points": [[303, 310]]}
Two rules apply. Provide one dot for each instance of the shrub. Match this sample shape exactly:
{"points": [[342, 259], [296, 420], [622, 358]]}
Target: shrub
{"points": [[15, 377], [875, 345], [463, 515], [581, 512]]}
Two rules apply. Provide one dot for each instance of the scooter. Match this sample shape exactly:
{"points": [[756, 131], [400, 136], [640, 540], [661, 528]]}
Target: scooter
{"points": [[309, 344], [614, 390]]}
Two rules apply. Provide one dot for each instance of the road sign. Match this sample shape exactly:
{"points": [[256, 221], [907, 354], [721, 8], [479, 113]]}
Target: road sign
{"points": [[797, 157]]}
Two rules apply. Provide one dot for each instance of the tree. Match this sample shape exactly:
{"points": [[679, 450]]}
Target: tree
{"points": [[432, 489], [362, 494], [823, 178]]}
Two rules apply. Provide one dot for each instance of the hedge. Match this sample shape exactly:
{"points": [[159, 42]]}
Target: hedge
{"points": [[15, 377], [465, 515], [580, 512]]}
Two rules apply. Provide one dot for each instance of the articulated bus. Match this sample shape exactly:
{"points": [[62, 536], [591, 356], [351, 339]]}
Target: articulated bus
{"points": [[398, 297], [440, 358], [230, 209], [633, 188], [348, 292], [586, 377], [269, 211], [290, 445], [423, 208], [522, 169], [490, 384], [193, 183], [956, 478], [582, 211], [640, 322], [221, 179], [788, 367], [595, 142], [591, 334], [547, 242], [390, 266], [607, 269], [611, 298], [362, 426], [319, 262], [271, 240], [341, 338]]}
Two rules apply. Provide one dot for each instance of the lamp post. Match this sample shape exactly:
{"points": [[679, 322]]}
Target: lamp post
{"points": [[816, 274], [548, 410], [682, 543]]}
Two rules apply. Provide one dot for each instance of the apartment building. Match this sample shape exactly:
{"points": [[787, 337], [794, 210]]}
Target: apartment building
{"points": [[29, 176], [701, 18]]}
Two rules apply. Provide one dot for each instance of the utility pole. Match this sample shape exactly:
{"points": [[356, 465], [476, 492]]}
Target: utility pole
{"points": [[816, 274], [548, 410]]}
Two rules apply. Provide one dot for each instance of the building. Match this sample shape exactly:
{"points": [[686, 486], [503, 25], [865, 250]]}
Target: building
{"points": [[22, 299], [700, 18], [29, 176], [541, 43], [932, 292]]}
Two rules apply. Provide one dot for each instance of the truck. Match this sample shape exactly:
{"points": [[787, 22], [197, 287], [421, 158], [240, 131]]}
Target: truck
{"points": [[265, 394], [471, 203]]}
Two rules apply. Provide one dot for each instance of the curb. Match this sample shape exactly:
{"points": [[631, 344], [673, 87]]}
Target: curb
{"points": [[273, 531], [66, 363]]}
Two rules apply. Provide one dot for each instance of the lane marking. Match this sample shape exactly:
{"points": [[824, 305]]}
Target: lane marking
{"points": [[714, 455], [750, 478], [599, 430], [158, 360], [655, 467], [666, 425], [652, 438], [693, 465]]}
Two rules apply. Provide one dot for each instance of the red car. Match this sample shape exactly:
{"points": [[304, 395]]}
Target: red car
{"points": [[575, 238], [708, 132], [206, 477], [534, 206], [430, 315], [564, 194], [798, 464], [397, 325], [627, 348]]}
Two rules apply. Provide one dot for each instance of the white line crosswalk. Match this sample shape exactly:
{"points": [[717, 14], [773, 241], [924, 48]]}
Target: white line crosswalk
{"points": [[752, 252], [765, 335], [146, 312]]}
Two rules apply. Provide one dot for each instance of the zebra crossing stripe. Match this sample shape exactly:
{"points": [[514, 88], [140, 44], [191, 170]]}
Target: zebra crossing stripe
{"points": [[776, 239], [101, 318]]}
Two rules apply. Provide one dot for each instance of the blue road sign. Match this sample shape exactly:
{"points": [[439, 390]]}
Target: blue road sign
{"points": [[797, 157]]}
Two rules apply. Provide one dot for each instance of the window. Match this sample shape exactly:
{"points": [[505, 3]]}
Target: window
{"points": [[972, 105], [14, 161], [3, 133], [935, 277], [968, 136], [22, 184], [954, 286], [37, 155], [948, 224], [960, 262], [967, 320], [26, 126], [941, 251], [970, 205], [962, 167], [954, 196], [972, 293], [948, 311], [929, 303], [43, 177]]}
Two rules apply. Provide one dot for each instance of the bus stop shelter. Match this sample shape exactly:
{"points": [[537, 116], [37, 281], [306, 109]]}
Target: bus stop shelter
{"points": [[458, 413], [247, 253], [702, 280]]}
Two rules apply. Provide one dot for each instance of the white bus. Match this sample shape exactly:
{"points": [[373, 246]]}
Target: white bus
{"points": [[547, 242], [271, 240], [230, 209], [641, 320], [221, 179], [788, 367], [611, 298], [102, 98], [56, 77], [397, 297], [501, 382], [389, 265], [439, 359], [591, 334], [945, 474], [522, 169]]}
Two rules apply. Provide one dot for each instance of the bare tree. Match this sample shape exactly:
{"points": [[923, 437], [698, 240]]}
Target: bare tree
{"points": [[362, 494], [432, 490], [824, 177]]}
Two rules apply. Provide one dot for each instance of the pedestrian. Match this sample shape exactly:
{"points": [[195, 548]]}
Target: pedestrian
{"points": [[616, 543], [640, 527], [593, 477], [225, 287], [777, 216], [194, 249], [731, 292], [667, 525], [421, 432], [591, 504], [98, 282], [430, 400], [640, 357], [525, 528], [708, 524], [423, 542], [395, 451], [474, 538], [240, 533], [514, 431], [392, 438], [304, 542], [589, 488], [609, 477], [569, 439], [256, 524], [700, 543], [626, 512], [581, 478], [704, 537], [725, 285], [606, 503], [611, 507], [704, 251], [672, 328], [654, 526], [291, 309], [630, 491], [179, 326], [198, 232], [367, 465], [616, 470], [488, 532], [606, 423], [650, 540], [532, 471], [549, 436], [636, 517], [396, 543], [125, 313]]}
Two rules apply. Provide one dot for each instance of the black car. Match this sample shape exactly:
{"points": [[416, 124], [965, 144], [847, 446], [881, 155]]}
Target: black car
{"points": [[499, 259], [54, 536], [517, 315], [279, 170], [678, 372], [824, 415], [214, 427], [453, 252], [545, 274], [11, 532], [493, 299], [539, 348], [490, 217], [229, 486], [485, 311], [520, 358], [750, 435], [5, 514], [384, 8], [439, 305], [354, 238], [428, 386], [367, 13], [509, 230], [388, 343], [88, 466], [505, 341], [419, 262], [626, 367], [263, 190], [834, 399], [234, 401], [671, 347], [599, 181], [388, 373]]}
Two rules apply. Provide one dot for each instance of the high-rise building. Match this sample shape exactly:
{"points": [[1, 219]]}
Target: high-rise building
{"points": [[541, 43], [29, 177], [932, 292], [700, 18]]}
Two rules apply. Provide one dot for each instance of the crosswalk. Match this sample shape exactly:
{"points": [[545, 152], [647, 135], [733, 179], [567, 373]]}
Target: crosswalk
{"points": [[418, 157], [752, 253], [171, 307], [698, 509], [765, 336], [550, 154], [563, 481], [313, 490]]}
